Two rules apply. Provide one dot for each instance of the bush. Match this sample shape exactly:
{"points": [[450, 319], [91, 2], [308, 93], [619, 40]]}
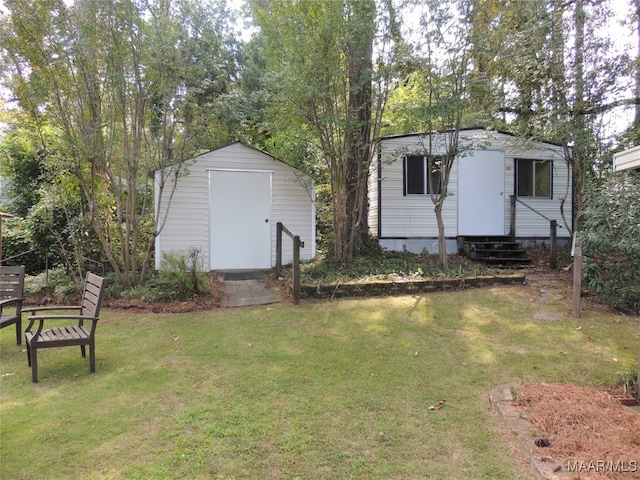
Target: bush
{"points": [[611, 241], [373, 261], [53, 283], [17, 246], [180, 278]]}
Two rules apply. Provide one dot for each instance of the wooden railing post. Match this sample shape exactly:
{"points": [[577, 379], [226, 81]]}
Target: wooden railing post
{"points": [[278, 249], [512, 219], [577, 277], [553, 262], [297, 245], [296, 270]]}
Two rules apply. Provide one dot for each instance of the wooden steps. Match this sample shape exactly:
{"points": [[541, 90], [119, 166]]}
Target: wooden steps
{"points": [[496, 252]]}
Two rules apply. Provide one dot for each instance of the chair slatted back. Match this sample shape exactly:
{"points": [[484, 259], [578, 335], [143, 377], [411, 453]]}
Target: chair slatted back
{"points": [[92, 295], [11, 282]]}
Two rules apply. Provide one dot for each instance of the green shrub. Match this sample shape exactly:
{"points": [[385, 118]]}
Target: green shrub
{"points": [[374, 261], [611, 241], [180, 278], [16, 242], [55, 283]]}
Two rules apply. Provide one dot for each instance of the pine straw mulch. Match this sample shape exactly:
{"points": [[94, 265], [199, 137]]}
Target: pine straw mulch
{"points": [[585, 428]]}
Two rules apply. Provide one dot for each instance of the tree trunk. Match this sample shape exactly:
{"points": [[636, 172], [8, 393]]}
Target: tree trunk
{"points": [[636, 122], [442, 239], [357, 132], [580, 134]]}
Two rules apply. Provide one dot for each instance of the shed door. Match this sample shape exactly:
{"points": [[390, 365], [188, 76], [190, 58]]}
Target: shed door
{"points": [[481, 200], [240, 227]]}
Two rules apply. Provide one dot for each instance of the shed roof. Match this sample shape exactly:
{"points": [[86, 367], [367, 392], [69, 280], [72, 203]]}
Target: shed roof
{"points": [[245, 145], [466, 129]]}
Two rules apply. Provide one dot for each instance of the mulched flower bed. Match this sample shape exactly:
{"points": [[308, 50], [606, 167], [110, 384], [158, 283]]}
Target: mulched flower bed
{"points": [[585, 429]]}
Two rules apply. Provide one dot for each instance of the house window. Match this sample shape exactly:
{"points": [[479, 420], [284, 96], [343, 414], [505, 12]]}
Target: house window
{"points": [[415, 175], [533, 178]]}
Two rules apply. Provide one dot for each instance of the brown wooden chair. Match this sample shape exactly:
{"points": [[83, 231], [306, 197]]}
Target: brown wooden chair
{"points": [[11, 292], [67, 336]]}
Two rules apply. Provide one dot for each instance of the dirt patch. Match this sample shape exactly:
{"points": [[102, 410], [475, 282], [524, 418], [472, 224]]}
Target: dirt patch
{"points": [[137, 306], [214, 300], [585, 431]]}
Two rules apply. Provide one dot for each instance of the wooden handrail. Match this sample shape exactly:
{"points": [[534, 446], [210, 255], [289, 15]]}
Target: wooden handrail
{"points": [[534, 210], [553, 227]]}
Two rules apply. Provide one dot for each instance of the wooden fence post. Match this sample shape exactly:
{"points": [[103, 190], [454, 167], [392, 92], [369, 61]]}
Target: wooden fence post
{"points": [[577, 277], [297, 245], [278, 249], [554, 244], [296, 270]]}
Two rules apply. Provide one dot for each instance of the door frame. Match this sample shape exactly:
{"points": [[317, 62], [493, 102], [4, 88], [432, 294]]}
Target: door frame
{"points": [[263, 256], [481, 193]]}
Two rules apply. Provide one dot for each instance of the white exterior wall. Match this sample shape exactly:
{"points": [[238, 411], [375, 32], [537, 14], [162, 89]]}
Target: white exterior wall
{"points": [[373, 190], [529, 224], [410, 216], [187, 225], [627, 160], [410, 222]]}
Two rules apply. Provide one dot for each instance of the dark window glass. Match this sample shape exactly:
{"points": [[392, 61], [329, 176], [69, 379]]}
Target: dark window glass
{"points": [[533, 178], [415, 175], [543, 179]]}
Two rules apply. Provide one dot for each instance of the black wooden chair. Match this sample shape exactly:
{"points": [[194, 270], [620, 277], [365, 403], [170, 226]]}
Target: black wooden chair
{"points": [[11, 292], [71, 335]]}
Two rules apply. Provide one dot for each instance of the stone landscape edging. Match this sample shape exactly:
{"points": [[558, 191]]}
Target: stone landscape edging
{"points": [[379, 287]]}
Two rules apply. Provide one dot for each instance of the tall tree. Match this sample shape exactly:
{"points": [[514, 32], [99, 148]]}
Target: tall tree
{"points": [[322, 71], [126, 83], [436, 97], [636, 120], [557, 71]]}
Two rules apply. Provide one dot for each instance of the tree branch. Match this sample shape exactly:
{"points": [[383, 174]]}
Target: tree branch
{"points": [[588, 110]]}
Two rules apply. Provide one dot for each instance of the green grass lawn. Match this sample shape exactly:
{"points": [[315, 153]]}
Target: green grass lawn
{"points": [[324, 390]]}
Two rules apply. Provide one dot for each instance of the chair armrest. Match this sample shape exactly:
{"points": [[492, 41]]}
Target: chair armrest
{"points": [[42, 318], [52, 308], [9, 301], [62, 317]]}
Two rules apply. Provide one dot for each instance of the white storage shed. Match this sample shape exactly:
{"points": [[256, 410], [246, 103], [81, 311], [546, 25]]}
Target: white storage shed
{"points": [[227, 205]]}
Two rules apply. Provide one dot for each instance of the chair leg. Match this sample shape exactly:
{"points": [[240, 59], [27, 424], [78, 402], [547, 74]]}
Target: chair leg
{"points": [[34, 364], [19, 332], [28, 354], [92, 357], [83, 351]]}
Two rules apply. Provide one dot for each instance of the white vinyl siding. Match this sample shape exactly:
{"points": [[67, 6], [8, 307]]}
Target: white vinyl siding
{"points": [[373, 198], [627, 160], [293, 203], [410, 216]]}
